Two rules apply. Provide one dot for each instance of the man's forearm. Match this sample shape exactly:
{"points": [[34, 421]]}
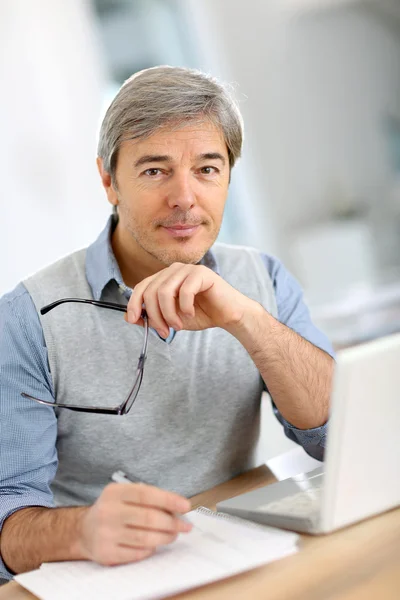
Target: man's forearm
{"points": [[35, 535], [298, 375]]}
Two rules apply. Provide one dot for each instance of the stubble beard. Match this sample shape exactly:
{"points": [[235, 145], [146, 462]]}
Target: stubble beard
{"points": [[169, 255]]}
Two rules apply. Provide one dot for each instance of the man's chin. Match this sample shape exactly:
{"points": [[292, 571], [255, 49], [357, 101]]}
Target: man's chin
{"points": [[185, 254]]}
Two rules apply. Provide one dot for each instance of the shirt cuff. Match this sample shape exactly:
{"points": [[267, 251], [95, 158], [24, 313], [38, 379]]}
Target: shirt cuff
{"points": [[312, 440], [10, 505]]}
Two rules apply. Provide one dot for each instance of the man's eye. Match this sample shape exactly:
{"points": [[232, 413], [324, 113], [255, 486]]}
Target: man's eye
{"points": [[208, 170], [152, 172]]}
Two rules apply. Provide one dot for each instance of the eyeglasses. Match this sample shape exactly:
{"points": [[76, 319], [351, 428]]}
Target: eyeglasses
{"points": [[126, 406]]}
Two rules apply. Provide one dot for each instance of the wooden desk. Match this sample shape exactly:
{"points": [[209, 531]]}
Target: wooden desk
{"points": [[361, 562]]}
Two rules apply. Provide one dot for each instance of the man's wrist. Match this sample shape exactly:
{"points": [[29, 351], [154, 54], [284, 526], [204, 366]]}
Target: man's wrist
{"points": [[78, 549], [246, 330]]}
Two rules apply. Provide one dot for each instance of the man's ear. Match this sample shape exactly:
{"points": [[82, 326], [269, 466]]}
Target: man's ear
{"points": [[106, 180]]}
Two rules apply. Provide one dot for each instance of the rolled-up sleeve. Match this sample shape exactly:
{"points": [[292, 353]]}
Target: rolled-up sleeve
{"points": [[312, 440], [28, 430], [294, 313]]}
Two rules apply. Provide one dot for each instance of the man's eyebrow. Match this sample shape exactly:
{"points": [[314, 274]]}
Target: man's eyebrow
{"points": [[152, 158], [157, 158], [212, 156]]}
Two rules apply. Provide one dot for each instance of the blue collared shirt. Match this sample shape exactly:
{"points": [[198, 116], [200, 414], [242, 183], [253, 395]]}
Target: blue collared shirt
{"points": [[28, 458]]}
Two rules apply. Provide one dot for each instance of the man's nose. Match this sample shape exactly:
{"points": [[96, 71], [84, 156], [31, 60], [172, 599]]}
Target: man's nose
{"points": [[181, 194]]}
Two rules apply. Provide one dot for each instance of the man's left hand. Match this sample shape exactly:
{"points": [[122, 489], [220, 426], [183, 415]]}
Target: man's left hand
{"points": [[190, 297]]}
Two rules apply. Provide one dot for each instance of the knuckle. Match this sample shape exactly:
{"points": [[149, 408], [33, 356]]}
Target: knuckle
{"points": [[164, 291], [147, 294], [150, 289], [185, 291]]}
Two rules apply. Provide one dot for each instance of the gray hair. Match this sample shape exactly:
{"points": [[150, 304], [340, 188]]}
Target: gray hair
{"points": [[162, 96]]}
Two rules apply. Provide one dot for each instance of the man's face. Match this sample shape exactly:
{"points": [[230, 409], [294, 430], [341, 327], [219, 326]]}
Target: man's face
{"points": [[171, 192]]}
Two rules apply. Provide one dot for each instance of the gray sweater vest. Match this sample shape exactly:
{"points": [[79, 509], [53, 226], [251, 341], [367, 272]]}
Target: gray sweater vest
{"points": [[196, 420]]}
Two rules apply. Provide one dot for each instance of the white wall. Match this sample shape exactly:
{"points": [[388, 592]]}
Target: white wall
{"points": [[50, 99], [341, 79], [317, 88]]}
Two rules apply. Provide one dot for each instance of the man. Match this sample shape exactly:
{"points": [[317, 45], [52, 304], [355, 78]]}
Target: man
{"points": [[226, 323]]}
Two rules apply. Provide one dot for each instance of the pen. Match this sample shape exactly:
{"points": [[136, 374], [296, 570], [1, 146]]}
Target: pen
{"points": [[120, 477]]}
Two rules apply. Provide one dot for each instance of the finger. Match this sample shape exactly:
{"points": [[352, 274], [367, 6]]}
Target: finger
{"points": [[197, 281], [148, 495], [152, 518], [134, 308], [168, 292], [139, 322], [122, 555], [136, 300], [156, 319]]}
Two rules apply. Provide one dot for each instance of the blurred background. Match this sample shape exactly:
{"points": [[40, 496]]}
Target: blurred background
{"points": [[318, 82]]}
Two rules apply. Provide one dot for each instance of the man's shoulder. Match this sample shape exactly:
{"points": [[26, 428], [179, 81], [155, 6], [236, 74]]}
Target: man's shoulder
{"points": [[18, 315], [16, 297]]}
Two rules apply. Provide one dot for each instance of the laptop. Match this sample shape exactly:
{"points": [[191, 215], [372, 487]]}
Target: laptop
{"points": [[360, 476]]}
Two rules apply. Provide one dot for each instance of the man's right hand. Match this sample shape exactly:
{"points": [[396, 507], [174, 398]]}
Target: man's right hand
{"points": [[129, 521]]}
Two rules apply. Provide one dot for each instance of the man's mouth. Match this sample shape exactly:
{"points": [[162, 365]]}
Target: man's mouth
{"points": [[181, 230]]}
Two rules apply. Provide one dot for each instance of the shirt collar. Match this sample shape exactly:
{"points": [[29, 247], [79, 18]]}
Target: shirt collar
{"points": [[102, 266]]}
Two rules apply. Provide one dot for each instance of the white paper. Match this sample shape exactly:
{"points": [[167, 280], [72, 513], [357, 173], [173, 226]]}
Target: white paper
{"points": [[216, 548], [292, 463]]}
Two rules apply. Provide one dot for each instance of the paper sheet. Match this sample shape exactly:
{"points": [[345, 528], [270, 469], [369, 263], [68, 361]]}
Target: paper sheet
{"points": [[214, 549]]}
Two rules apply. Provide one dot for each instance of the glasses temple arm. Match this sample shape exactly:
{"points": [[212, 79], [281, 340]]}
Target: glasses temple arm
{"points": [[110, 305]]}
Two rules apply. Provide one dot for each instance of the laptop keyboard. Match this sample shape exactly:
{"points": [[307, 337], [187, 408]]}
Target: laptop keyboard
{"points": [[304, 504]]}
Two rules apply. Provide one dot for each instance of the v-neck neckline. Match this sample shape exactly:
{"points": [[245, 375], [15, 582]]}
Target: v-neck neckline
{"points": [[164, 340]]}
